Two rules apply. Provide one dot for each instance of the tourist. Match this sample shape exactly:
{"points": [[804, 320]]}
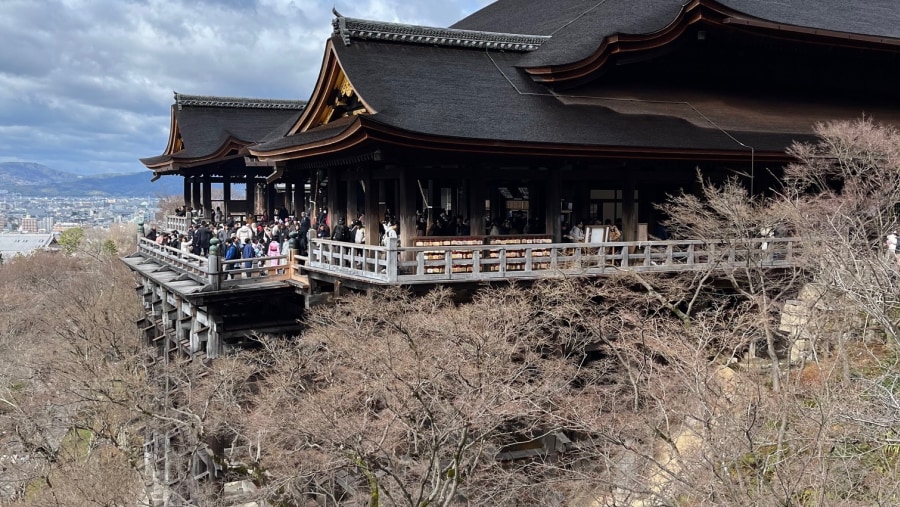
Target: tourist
{"points": [[359, 233], [576, 233], [274, 251], [247, 252], [341, 233]]}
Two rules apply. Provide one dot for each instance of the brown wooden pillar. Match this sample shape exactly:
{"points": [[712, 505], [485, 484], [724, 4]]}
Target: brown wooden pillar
{"points": [[382, 199], [462, 195], [299, 198], [477, 196], [371, 198], [552, 203], [269, 196], [226, 195], [288, 195], [251, 197], [352, 198], [332, 197], [406, 212], [207, 196], [629, 218], [195, 193], [187, 191]]}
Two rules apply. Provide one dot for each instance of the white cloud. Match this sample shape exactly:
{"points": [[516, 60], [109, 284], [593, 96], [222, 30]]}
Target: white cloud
{"points": [[86, 85]]}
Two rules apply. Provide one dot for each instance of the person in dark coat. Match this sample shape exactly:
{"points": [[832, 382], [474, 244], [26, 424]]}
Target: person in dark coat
{"points": [[248, 252], [204, 234]]}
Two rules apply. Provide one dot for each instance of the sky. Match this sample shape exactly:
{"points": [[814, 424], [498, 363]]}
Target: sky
{"points": [[86, 86]]}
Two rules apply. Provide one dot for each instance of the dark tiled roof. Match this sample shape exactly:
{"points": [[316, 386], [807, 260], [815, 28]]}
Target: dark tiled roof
{"points": [[578, 27], [455, 93], [207, 123], [310, 136], [863, 17]]}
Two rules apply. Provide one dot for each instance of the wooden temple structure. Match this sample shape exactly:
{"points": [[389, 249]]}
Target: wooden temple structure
{"points": [[540, 113], [545, 113]]}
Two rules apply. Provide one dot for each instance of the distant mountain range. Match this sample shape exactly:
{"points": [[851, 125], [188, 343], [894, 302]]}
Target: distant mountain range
{"points": [[38, 180]]}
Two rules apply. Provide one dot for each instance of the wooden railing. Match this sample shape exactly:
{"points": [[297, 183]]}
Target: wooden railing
{"points": [[178, 223], [213, 270], [393, 264], [432, 264]]}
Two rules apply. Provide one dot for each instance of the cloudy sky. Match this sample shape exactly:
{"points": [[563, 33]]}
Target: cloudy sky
{"points": [[86, 85]]}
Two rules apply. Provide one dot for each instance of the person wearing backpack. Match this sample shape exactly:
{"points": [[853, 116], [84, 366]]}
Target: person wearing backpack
{"points": [[340, 231]]}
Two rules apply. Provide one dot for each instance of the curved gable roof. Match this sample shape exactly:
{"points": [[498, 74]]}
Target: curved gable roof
{"points": [[205, 127], [578, 28]]}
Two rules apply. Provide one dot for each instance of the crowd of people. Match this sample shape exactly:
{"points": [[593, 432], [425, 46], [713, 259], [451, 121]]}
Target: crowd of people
{"points": [[269, 237], [253, 240]]}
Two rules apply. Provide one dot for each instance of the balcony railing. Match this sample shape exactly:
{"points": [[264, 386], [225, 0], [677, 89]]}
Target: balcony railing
{"points": [[393, 264], [458, 263], [213, 270]]}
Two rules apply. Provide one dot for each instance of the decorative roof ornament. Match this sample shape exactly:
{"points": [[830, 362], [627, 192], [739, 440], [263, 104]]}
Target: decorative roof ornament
{"points": [[351, 28], [236, 102]]}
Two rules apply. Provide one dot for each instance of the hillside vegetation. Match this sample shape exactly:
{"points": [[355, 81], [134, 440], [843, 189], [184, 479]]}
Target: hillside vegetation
{"points": [[676, 390]]}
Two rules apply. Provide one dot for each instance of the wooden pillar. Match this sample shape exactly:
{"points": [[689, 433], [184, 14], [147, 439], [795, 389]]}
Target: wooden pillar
{"points": [[288, 195], [298, 198], [629, 218], [406, 213], [269, 197], [371, 199], [226, 195], [352, 198], [250, 196], [207, 196], [194, 333], [382, 199], [462, 195], [332, 197], [551, 216], [477, 195], [187, 191], [195, 193], [431, 205], [213, 344]]}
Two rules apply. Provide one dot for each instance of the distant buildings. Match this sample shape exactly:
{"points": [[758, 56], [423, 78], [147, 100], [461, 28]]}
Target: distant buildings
{"points": [[13, 244], [28, 225]]}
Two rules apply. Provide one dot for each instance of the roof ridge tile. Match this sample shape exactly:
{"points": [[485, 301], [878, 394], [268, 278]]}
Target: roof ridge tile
{"points": [[353, 28], [182, 100]]}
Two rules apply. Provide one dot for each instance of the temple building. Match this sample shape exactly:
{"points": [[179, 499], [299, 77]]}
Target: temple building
{"points": [[529, 113], [536, 116]]}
